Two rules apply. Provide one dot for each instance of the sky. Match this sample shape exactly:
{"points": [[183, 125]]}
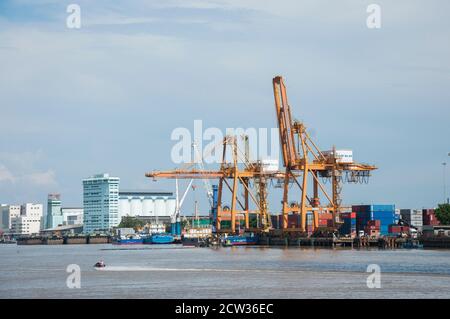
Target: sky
{"points": [[106, 97]]}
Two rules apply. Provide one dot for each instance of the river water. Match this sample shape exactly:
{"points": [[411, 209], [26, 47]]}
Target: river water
{"points": [[233, 272]]}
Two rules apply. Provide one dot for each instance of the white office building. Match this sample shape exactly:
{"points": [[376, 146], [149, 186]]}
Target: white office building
{"points": [[30, 221], [72, 215], [146, 204], [100, 203], [2, 226]]}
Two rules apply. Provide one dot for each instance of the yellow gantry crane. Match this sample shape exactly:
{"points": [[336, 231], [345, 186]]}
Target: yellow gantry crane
{"points": [[302, 162], [303, 159], [237, 181]]}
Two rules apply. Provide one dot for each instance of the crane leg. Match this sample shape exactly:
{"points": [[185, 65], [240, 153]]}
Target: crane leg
{"points": [[285, 200], [219, 205]]}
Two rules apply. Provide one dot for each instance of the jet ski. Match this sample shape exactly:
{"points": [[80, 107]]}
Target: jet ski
{"points": [[100, 264]]}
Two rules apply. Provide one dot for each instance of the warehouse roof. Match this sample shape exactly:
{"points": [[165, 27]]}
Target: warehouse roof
{"points": [[155, 192]]}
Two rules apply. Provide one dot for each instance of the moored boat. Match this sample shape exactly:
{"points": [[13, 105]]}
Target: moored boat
{"points": [[240, 240], [159, 239], [128, 240], [193, 241]]}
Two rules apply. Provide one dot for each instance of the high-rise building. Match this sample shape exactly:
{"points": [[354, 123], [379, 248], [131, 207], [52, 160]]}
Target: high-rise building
{"points": [[100, 203], [30, 220], [54, 215], [8, 212]]}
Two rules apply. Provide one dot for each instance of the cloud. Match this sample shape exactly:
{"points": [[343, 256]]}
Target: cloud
{"points": [[22, 168], [136, 70], [46, 178], [6, 175], [119, 20]]}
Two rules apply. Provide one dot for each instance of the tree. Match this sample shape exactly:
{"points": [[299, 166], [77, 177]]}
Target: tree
{"points": [[443, 214], [130, 222]]}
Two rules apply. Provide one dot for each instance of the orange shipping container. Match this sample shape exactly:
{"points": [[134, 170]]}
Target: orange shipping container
{"points": [[326, 216]]}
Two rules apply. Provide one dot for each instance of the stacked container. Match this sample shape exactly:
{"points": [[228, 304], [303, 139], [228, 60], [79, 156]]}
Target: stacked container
{"points": [[397, 216], [225, 224], [349, 225], [325, 220], [365, 213], [412, 216], [397, 229], [429, 217], [309, 223], [276, 221], [373, 228], [293, 221], [201, 223]]}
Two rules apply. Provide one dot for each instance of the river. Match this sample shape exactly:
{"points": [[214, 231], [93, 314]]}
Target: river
{"points": [[233, 272]]}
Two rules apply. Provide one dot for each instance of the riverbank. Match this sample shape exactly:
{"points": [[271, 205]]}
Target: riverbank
{"points": [[382, 242]]}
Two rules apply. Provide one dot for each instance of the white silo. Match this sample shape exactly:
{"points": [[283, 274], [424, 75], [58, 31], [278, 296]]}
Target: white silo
{"points": [[148, 207], [136, 206], [170, 206], [124, 207], [160, 206]]}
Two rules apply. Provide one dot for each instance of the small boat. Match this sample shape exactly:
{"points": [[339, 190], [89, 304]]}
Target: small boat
{"points": [[99, 264]]}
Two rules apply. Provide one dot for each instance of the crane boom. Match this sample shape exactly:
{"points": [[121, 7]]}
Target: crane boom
{"points": [[285, 124]]}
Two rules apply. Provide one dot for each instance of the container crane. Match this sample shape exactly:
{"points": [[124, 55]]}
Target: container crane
{"points": [[232, 178], [303, 159], [206, 184], [176, 216]]}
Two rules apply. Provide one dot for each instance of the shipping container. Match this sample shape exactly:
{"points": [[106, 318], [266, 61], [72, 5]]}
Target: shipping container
{"points": [[325, 216], [225, 224], [270, 165], [200, 223], [294, 221], [429, 218], [348, 215], [342, 156], [276, 221], [375, 223], [349, 224], [397, 229], [323, 222], [385, 214], [414, 217]]}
